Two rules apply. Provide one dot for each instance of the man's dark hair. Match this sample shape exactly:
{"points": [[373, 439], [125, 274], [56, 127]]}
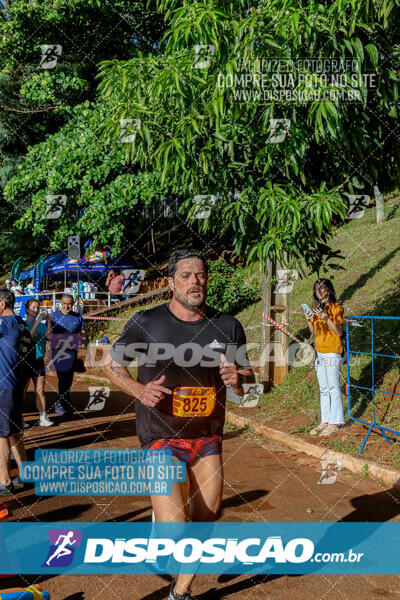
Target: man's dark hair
{"points": [[182, 254], [8, 296]]}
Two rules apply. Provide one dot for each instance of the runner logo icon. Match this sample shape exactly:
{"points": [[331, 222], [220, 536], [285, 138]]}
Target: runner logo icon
{"points": [[61, 552]]}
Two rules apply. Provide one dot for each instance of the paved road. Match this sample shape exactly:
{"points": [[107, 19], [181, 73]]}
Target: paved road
{"points": [[264, 482]]}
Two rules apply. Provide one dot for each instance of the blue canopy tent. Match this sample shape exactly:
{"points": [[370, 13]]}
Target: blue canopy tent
{"points": [[59, 263], [47, 263], [83, 266]]}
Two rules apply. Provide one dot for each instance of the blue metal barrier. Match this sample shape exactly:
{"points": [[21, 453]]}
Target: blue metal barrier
{"points": [[371, 389]]}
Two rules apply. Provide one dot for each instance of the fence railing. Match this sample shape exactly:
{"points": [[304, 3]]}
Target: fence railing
{"points": [[371, 389], [81, 299]]}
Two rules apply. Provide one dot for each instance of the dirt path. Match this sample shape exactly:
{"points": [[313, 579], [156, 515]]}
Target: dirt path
{"points": [[264, 482]]}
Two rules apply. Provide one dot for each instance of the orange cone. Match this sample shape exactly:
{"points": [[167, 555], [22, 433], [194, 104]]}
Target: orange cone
{"points": [[3, 511]]}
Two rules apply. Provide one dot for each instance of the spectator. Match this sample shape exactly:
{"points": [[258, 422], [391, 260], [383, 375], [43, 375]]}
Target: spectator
{"points": [[114, 283], [30, 288], [16, 288], [104, 339], [68, 332], [327, 325], [39, 324], [7, 284], [16, 352]]}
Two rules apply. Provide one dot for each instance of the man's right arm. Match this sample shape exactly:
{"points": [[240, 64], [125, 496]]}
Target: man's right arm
{"points": [[121, 378], [149, 394]]}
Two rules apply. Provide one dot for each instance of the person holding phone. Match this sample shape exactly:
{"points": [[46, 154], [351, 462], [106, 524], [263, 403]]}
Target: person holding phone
{"points": [[326, 323], [39, 323]]}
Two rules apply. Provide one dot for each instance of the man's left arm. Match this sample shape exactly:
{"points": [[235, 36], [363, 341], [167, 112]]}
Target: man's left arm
{"points": [[232, 373], [85, 342]]}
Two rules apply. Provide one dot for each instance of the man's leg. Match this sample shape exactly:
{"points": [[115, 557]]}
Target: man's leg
{"points": [[10, 422], [206, 486], [4, 461], [205, 495], [16, 437], [18, 448], [173, 508], [65, 379]]}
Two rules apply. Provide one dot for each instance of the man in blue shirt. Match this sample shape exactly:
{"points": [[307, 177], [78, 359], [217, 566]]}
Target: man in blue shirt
{"points": [[68, 333], [16, 352]]}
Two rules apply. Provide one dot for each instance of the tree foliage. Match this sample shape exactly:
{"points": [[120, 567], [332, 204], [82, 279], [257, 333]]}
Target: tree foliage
{"points": [[195, 136], [204, 141], [35, 102]]}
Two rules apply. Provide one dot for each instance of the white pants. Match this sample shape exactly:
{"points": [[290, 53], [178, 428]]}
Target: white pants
{"points": [[327, 366]]}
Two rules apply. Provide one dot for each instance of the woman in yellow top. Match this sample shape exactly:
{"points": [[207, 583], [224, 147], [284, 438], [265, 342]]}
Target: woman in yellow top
{"points": [[326, 322]]}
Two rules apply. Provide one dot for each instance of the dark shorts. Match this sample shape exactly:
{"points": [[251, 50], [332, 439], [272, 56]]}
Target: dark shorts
{"points": [[190, 450], [36, 369], [10, 412]]}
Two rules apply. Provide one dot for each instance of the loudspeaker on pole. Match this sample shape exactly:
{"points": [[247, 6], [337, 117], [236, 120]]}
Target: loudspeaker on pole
{"points": [[75, 250]]}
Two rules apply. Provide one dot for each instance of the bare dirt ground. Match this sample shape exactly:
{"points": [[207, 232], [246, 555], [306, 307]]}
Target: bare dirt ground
{"points": [[264, 482]]}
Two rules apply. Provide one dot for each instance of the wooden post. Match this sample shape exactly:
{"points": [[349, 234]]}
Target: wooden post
{"points": [[274, 343], [380, 205]]}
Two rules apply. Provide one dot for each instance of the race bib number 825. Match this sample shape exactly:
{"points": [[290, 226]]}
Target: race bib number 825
{"points": [[193, 401]]}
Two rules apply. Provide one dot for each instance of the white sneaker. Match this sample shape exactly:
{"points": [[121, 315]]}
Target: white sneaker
{"points": [[331, 428], [317, 430], [44, 421]]}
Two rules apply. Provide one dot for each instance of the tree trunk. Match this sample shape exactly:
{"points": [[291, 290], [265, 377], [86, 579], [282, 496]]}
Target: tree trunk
{"points": [[274, 343]]}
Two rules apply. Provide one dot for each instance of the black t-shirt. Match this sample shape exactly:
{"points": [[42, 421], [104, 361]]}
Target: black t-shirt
{"points": [[189, 355]]}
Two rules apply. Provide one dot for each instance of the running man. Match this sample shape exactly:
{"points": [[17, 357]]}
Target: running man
{"points": [[193, 353]]}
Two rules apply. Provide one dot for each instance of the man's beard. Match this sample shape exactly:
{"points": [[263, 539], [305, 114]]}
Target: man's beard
{"points": [[190, 302]]}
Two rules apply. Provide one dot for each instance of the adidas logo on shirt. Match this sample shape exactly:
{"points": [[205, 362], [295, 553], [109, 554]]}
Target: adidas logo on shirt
{"points": [[216, 344]]}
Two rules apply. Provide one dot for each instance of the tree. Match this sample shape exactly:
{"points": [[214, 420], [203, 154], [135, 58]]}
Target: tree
{"points": [[38, 95], [196, 132], [206, 140]]}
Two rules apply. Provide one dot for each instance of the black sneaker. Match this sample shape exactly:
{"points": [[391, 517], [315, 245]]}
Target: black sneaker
{"points": [[6, 489], [174, 596]]}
